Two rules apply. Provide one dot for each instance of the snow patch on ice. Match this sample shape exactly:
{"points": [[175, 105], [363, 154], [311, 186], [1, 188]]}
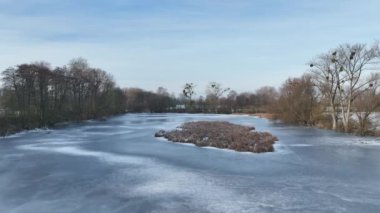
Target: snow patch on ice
{"points": [[300, 145], [367, 142], [76, 151]]}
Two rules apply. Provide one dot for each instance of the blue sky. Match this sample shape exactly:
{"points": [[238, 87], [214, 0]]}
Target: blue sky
{"points": [[243, 44]]}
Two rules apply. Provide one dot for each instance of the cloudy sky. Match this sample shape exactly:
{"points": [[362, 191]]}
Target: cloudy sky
{"points": [[243, 44]]}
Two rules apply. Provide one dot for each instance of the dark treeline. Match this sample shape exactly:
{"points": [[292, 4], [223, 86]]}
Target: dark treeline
{"points": [[139, 100], [35, 95], [340, 90], [217, 100]]}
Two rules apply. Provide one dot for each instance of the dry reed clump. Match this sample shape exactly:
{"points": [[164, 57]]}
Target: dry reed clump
{"points": [[221, 135]]}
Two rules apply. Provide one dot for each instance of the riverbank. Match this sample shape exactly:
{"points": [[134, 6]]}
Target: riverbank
{"points": [[223, 135], [9, 126], [324, 123]]}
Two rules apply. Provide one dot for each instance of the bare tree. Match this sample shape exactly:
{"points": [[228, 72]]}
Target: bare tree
{"points": [[188, 92], [162, 91], [265, 98], [352, 61], [325, 78], [367, 103], [214, 92], [216, 89], [338, 75], [231, 100], [298, 102]]}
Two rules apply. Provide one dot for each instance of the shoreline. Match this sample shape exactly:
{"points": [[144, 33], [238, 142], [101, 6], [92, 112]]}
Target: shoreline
{"points": [[53, 126]]}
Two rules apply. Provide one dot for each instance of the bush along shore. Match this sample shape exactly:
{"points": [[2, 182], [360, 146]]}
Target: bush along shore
{"points": [[223, 135]]}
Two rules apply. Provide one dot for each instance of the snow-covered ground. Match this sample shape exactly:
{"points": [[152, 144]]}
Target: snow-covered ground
{"points": [[118, 166]]}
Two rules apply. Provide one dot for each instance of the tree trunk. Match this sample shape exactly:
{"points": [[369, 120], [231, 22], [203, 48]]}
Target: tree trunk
{"points": [[333, 115]]}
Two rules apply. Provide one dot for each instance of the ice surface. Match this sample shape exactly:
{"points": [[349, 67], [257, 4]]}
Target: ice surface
{"points": [[118, 166]]}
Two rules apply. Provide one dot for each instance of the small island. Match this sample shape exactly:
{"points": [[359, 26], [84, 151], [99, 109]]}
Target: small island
{"points": [[221, 134]]}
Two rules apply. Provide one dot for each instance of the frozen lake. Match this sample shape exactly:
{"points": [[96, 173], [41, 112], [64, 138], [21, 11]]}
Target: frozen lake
{"points": [[118, 166]]}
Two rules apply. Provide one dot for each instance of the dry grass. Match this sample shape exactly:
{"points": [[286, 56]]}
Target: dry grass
{"points": [[221, 135]]}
